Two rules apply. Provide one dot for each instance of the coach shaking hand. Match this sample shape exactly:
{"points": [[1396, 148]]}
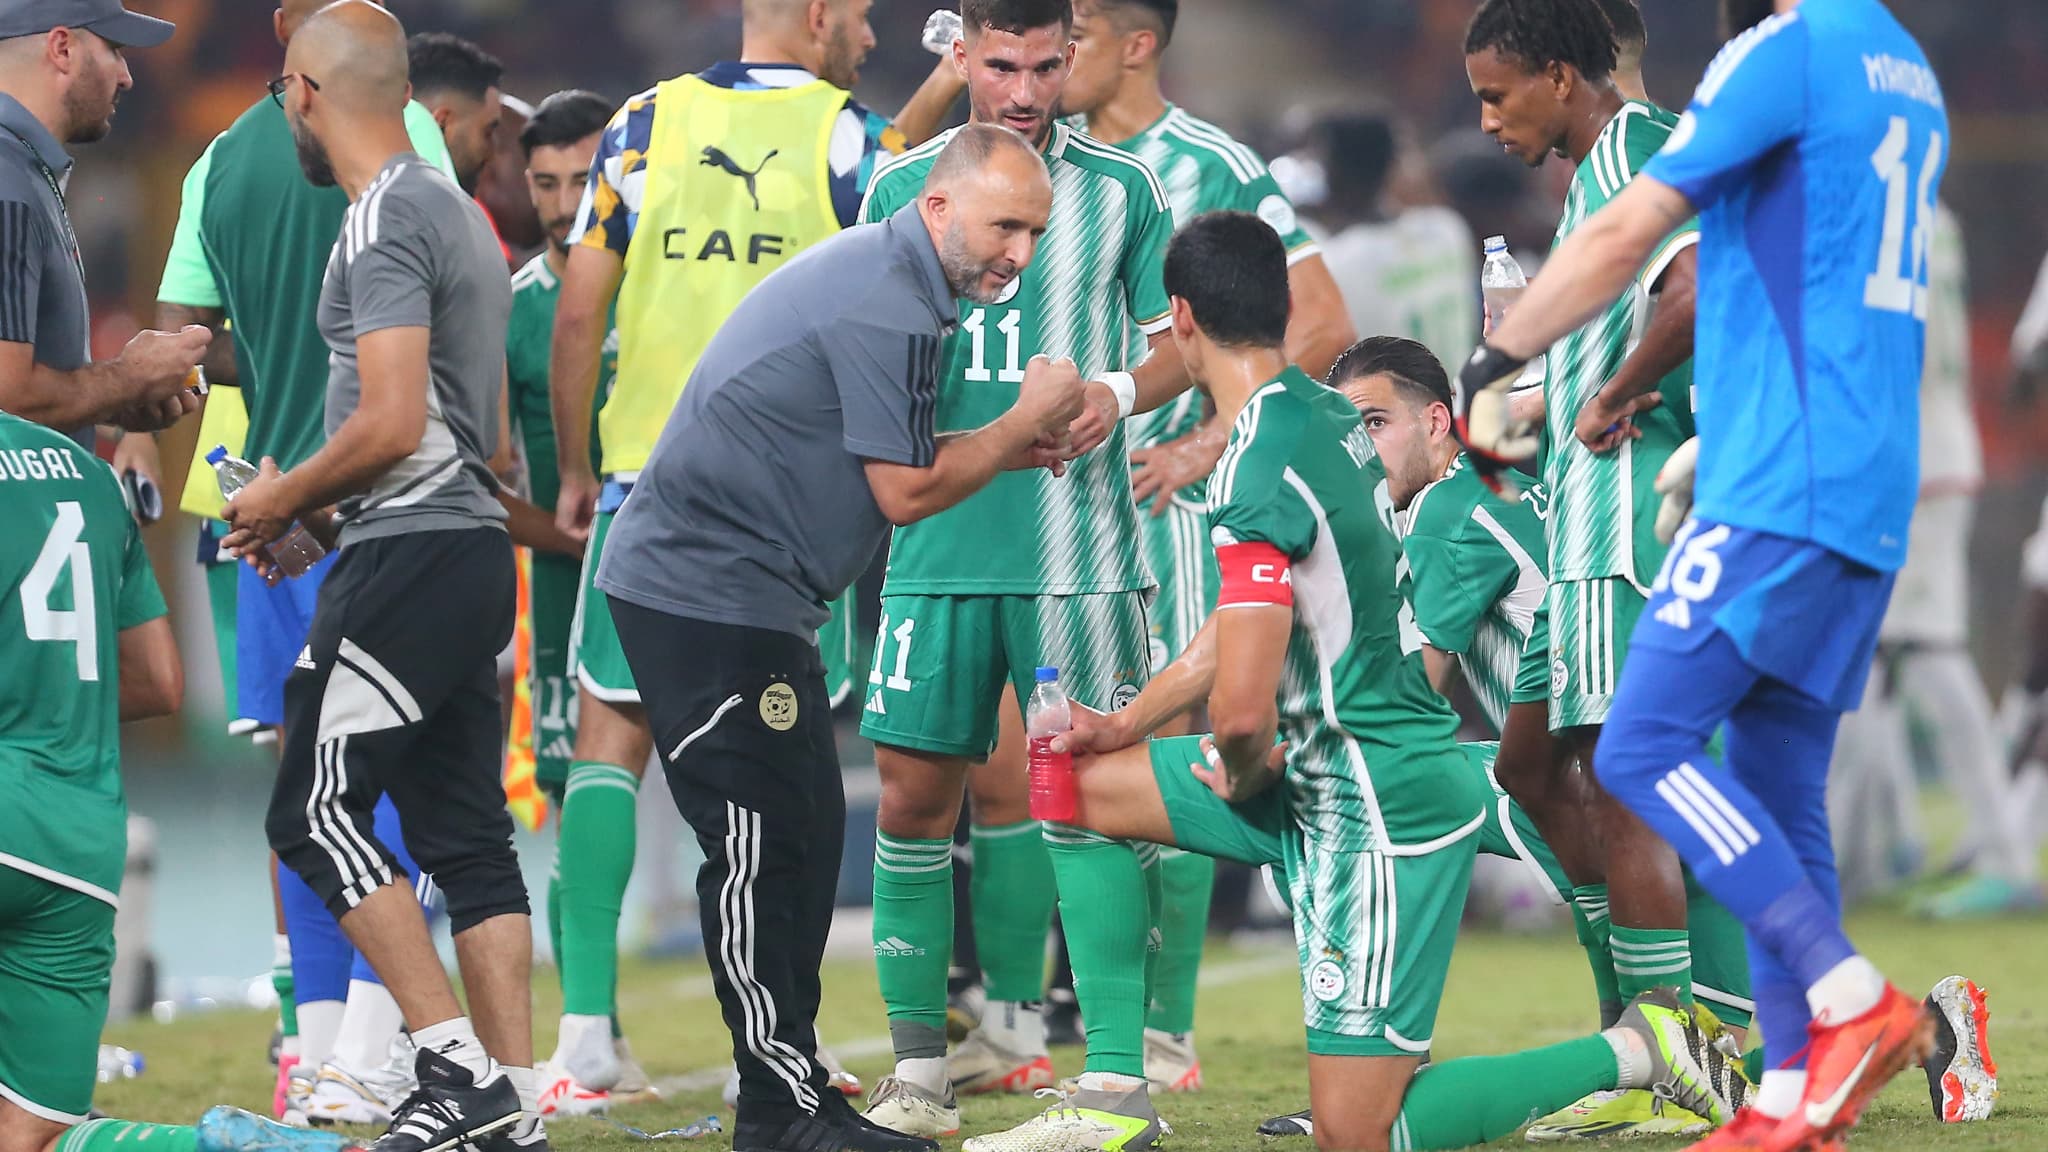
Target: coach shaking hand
{"points": [[805, 431]]}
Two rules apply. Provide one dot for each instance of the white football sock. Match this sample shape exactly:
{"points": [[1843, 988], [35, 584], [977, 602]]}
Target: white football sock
{"points": [[1015, 1026], [1849, 989], [455, 1040], [1632, 1062], [1108, 1082], [928, 1073], [1781, 1092], [368, 1025], [526, 1084], [319, 1024]]}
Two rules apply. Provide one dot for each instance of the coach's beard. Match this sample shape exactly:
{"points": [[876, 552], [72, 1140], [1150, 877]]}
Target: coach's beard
{"points": [[312, 156], [964, 274]]}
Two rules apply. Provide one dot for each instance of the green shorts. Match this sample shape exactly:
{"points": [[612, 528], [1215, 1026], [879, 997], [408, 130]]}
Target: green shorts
{"points": [[551, 603], [1374, 932], [839, 647], [56, 964], [1532, 675], [1508, 832], [1591, 621], [594, 651], [1177, 553], [941, 662]]}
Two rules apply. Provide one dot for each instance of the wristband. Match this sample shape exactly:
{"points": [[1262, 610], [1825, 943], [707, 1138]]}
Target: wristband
{"points": [[1125, 387]]}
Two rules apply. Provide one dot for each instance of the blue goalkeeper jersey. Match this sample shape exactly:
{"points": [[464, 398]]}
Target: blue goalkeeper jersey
{"points": [[1813, 150]]}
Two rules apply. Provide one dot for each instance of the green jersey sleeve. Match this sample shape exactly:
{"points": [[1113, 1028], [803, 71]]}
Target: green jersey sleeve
{"points": [[1144, 265], [1643, 137], [426, 137], [894, 185], [1252, 498], [140, 600], [188, 279], [1455, 583]]}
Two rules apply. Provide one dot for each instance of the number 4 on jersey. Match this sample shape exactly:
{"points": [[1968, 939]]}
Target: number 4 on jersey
{"points": [[64, 547]]}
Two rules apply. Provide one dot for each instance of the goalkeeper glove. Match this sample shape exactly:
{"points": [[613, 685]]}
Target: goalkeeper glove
{"points": [[1492, 436], [940, 30], [1674, 483]]}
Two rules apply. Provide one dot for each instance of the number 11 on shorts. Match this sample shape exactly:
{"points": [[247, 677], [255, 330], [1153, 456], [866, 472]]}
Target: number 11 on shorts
{"points": [[898, 680]]}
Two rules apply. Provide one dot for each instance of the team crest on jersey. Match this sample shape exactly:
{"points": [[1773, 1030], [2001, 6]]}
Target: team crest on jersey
{"points": [[1009, 291], [778, 707], [1278, 214], [1122, 697], [1560, 677], [1326, 981]]}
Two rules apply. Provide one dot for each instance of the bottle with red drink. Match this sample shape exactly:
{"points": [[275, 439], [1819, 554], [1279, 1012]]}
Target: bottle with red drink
{"points": [[1054, 794]]}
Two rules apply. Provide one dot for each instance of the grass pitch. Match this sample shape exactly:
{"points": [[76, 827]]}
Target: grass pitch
{"points": [[1505, 992]]}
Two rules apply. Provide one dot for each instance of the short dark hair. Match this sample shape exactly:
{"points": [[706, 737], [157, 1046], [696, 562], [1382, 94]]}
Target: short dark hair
{"points": [[1019, 16], [1161, 14], [564, 118], [444, 62], [1626, 16], [1231, 268], [1357, 154], [1413, 367], [1542, 32]]}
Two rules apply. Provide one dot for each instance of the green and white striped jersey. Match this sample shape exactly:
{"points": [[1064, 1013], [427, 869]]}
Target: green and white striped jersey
{"points": [[1476, 569], [1373, 760], [1604, 507], [1203, 170], [1097, 274]]}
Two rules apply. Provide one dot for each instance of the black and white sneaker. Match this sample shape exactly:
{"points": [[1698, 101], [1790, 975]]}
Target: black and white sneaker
{"points": [[450, 1108], [529, 1135], [1293, 1124], [825, 1132]]}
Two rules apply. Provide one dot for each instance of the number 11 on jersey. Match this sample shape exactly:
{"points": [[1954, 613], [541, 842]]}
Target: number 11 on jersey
{"points": [[1011, 328]]}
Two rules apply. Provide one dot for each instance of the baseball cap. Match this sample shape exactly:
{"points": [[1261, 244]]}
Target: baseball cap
{"points": [[106, 19]]}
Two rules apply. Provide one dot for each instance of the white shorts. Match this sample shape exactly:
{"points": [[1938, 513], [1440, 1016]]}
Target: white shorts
{"points": [[1931, 600]]}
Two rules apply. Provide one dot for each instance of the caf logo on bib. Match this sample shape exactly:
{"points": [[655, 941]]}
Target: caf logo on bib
{"points": [[1325, 981], [778, 707]]}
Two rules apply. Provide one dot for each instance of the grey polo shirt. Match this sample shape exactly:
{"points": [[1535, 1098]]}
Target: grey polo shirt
{"points": [[754, 508], [42, 283]]}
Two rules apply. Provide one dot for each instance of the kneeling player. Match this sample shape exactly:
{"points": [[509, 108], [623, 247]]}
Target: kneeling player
{"points": [[1374, 823]]}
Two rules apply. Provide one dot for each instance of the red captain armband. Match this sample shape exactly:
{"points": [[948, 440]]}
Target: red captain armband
{"points": [[1254, 573]]}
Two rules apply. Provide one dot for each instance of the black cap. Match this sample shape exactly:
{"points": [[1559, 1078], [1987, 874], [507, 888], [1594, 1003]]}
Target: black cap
{"points": [[106, 19]]}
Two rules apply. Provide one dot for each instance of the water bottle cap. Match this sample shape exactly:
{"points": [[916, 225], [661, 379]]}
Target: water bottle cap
{"points": [[1048, 675], [1496, 243], [216, 454]]}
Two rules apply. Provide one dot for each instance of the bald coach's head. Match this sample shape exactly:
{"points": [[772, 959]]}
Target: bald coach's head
{"points": [[345, 75], [986, 201]]}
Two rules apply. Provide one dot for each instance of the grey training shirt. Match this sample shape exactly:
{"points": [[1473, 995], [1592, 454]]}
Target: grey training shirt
{"points": [[42, 284], [416, 252], [754, 508]]}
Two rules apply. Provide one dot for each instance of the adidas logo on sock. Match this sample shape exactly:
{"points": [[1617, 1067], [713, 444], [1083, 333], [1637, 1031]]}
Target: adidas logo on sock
{"points": [[559, 749], [897, 946], [1677, 614]]}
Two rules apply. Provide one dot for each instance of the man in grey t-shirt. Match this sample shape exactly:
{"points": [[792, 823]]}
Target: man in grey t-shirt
{"points": [[805, 431], [396, 691]]}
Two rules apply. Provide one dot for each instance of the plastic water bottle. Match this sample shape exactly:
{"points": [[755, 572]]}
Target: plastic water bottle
{"points": [[1054, 795], [1501, 283], [117, 1063], [296, 550]]}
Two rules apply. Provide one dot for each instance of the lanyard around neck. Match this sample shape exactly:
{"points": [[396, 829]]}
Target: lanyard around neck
{"points": [[63, 205]]}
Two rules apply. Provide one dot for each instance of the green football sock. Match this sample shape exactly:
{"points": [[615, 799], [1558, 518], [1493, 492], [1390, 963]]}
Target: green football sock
{"points": [[594, 854], [128, 1136], [1753, 1064], [1185, 879], [281, 983], [913, 939], [1589, 916], [555, 909], [1012, 892], [1646, 958], [1108, 919], [1477, 1099], [1720, 956]]}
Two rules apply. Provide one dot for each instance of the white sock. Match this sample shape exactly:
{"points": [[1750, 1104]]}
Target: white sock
{"points": [[1631, 1057], [927, 1072], [288, 1046], [319, 1024], [1781, 1092], [1849, 989], [1108, 1082], [281, 951], [1015, 1026], [455, 1040], [584, 1049], [526, 1084], [368, 1025]]}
